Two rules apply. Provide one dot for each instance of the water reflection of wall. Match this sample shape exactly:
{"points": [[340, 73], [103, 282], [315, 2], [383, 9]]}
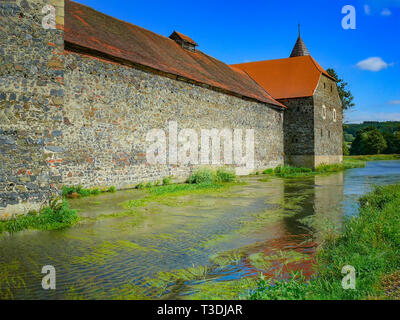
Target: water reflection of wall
{"points": [[317, 202], [329, 197]]}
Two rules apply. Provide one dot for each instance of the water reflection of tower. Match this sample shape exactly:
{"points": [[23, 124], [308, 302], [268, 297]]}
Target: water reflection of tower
{"points": [[317, 203]]}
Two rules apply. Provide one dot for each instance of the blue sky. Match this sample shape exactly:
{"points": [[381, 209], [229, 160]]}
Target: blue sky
{"points": [[238, 31]]}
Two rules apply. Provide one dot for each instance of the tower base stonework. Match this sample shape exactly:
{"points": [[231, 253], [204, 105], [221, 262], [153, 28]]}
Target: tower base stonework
{"points": [[311, 161]]}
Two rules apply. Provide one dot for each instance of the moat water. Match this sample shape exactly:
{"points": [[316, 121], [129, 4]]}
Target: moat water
{"points": [[195, 246]]}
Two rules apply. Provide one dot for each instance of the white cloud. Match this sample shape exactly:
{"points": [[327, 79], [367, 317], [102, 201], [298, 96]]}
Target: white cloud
{"points": [[374, 64], [367, 9], [394, 102], [386, 12]]}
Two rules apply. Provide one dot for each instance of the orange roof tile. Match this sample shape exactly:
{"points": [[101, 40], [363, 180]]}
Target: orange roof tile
{"points": [[93, 30], [286, 78]]}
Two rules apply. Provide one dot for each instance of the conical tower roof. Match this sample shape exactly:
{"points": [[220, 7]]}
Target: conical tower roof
{"points": [[300, 48]]}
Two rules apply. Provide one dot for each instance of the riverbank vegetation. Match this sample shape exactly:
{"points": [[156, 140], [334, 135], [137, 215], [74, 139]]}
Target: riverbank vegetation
{"points": [[57, 215], [79, 191], [376, 157], [204, 180], [370, 243], [298, 172]]}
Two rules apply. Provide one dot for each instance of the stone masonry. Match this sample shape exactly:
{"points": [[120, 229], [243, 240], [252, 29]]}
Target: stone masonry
{"points": [[72, 117], [31, 105], [69, 119], [311, 133], [110, 108]]}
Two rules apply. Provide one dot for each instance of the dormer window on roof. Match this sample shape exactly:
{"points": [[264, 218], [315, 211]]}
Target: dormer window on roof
{"points": [[184, 41]]}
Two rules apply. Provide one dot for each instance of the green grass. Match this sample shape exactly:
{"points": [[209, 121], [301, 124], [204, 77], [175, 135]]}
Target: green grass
{"points": [[377, 157], [200, 181], [299, 172], [370, 243], [82, 192], [209, 176], [57, 216]]}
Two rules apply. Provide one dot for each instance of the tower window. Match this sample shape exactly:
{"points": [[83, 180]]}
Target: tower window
{"points": [[322, 132], [323, 112], [329, 133], [334, 115]]}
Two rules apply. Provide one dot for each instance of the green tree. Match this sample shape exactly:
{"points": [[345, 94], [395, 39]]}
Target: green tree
{"points": [[344, 92], [368, 141], [346, 150], [393, 142]]}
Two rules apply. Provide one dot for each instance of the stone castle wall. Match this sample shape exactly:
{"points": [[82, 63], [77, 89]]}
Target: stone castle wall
{"points": [[31, 100], [111, 107], [328, 131], [312, 135], [299, 132], [68, 119]]}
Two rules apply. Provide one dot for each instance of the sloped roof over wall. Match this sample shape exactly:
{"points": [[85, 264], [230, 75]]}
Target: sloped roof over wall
{"points": [[286, 78], [88, 28]]}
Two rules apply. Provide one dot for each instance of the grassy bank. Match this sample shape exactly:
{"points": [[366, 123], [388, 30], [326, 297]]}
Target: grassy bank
{"points": [[370, 243], [79, 191], [376, 157], [57, 215], [298, 172]]}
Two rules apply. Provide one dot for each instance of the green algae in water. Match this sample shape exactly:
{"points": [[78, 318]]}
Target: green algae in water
{"points": [[125, 292], [10, 279], [222, 290], [258, 261], [324, 226], [218, 239], [225, 259], [106, 251], [168, 194], [252, 224], [164, 282], [262, 261]]}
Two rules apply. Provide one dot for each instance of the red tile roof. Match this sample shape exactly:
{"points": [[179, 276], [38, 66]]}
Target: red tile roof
{"points": [[286, 78], [90, 29]]}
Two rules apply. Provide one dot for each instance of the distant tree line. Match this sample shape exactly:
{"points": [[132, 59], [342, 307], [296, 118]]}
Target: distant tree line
{"points": [[372, 138]]}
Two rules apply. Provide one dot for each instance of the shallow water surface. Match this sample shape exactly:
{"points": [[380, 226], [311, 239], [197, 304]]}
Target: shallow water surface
{"points": [[211, 245]]}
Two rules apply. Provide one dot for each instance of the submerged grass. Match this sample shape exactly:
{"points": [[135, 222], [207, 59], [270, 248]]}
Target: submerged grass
{"points": [[56, 216], [370, 243], [167, 194], [107, 250]]}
